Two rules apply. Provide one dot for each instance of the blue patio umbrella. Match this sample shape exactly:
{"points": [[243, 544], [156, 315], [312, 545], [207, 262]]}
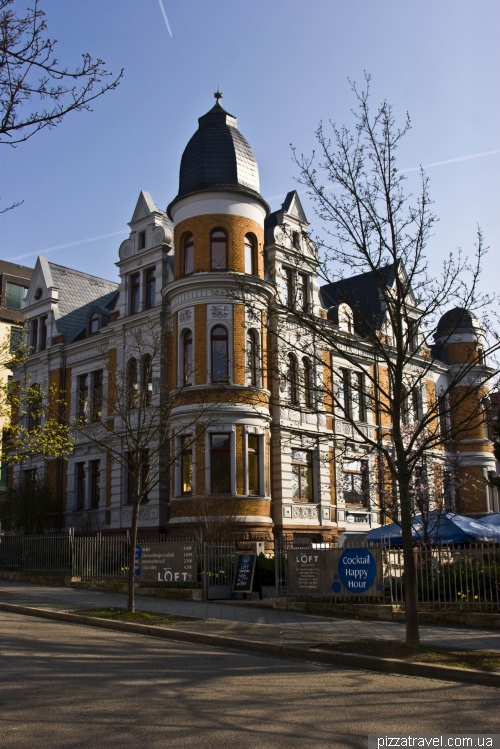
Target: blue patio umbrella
{"points": [[443, 528], [491, 520]]}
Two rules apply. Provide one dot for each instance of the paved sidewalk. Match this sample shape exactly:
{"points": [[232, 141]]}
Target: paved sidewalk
{"points": [[303, 627]]}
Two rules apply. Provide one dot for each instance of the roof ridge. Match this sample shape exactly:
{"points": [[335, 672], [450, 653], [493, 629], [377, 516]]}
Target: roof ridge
{"points": [[81, 273]]}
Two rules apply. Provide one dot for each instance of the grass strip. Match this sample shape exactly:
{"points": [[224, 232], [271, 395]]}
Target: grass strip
{"points": [[482, 660], [137, 617]]}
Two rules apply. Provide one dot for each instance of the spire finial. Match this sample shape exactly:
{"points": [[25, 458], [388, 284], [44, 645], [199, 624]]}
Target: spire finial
{"points": [[218, 95]]}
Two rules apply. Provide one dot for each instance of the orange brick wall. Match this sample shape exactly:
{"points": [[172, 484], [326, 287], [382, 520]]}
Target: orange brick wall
{"points": [[236, 228]]}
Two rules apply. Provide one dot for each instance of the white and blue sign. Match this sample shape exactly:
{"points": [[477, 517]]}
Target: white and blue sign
{"points": [[138, 555], [343, 572], [356, 572]]}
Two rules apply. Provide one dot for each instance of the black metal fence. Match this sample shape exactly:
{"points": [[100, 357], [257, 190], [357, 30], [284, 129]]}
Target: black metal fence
{"points": [[448, 577]]}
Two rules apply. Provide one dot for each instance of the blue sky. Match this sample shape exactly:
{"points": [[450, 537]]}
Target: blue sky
{"points": [[283, 65]]}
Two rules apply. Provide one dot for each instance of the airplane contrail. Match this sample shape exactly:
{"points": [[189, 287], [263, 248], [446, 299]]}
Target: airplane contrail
{"points": [[450, 161], [417, 168], [166, 19], [65, 246]]}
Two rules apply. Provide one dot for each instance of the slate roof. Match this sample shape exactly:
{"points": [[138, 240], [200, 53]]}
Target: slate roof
{"points": [[455, 320], [362, 294], [218, 157], [78, 294]]}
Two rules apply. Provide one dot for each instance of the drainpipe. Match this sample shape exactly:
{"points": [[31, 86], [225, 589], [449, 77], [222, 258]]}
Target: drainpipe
{"points": [[379, 432]]}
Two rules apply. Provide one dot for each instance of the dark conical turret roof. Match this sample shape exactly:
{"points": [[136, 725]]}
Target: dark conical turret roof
{"points": [[218, 157]]}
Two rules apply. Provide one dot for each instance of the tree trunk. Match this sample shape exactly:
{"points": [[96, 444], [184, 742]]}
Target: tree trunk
{"points": [[131, 560], [410, 572]]}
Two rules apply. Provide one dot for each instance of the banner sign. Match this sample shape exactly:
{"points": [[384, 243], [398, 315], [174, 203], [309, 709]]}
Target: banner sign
{"points": [[244, 571], [166, 563], [340, 572]]}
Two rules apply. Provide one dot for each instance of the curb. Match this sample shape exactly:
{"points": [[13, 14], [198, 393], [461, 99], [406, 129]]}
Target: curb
{"points": [[352, 660]]}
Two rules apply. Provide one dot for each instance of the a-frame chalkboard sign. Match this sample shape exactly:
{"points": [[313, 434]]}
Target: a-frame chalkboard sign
{"points": [[247, 574]]}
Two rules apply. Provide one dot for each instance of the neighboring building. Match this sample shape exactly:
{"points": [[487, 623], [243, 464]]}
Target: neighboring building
{"points": [[14, 283], [286, 467]]}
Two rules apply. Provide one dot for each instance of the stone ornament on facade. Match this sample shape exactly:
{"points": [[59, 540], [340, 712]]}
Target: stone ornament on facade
{"points": [[305, 513], [186, 315], [219, 311]]}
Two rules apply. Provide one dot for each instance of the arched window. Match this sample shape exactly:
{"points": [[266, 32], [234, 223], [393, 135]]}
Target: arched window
{"points": [[132, 383], [252, 358], [187, 357], [188, 252], [220, 364], [292, 379], [250, 263], [94, 323], [306, 376], [218, 250], [147, 379]]}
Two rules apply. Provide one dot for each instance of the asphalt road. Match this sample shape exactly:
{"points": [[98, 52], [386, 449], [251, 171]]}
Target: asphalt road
{"points": [[68, 686]]}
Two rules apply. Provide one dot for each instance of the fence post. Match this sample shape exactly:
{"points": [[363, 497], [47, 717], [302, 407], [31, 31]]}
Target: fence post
{"points": [[276, 566], [205, 571]]}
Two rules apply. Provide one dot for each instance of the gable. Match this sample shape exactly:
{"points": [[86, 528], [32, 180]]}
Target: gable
{"points": [[145, 206]]}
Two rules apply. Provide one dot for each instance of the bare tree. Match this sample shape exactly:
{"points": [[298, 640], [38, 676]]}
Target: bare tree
{"points": [[215, 519], [373, 231], [36, 91], [131, 419]]}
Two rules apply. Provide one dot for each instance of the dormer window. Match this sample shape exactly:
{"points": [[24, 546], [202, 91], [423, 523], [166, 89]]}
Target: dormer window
{"points": [[296, 240], [94, 323], [141, 240]]}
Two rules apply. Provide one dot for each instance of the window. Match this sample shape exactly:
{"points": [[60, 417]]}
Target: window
{"points": [[83, 397], [147, 379], [15, 295], [412, 336], [411, 407], [220, 368], [80, 486], [252, 358], [188, 254], [95, 483], [302, 291], [135, 292], [94, 323], [187, 357], [286, 287], [481, 357], [220, 463], [302, 488], [16, 338], [355, 481], [306, 377], [218, 250], [35, 405], [186, 465], [131, 479], [150, 288], [343, 392], [358, 410], [43, 341], [132, 383], [145, 470], [97, 379], [443, 411], [253, 464], [34, 335], [30, 477], [296, 240], [292, 379], [250, 264], [141, 240]]}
